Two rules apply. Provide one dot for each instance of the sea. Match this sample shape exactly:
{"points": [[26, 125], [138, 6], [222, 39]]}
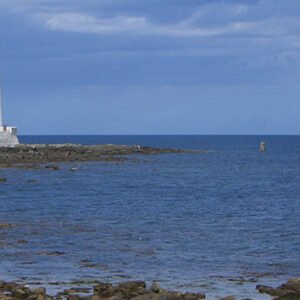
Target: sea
{"points": [[219, 221]]}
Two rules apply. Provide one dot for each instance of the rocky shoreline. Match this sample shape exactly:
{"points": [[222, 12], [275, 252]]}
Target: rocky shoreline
{"points": [[26, 155], [132, 290]]}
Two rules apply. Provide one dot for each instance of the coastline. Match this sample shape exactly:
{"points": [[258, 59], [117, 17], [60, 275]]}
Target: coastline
{"points": [[31, 155], [134, 290]]}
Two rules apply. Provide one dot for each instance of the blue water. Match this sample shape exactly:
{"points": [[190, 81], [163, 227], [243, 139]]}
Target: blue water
{"points": [[189, 221]]}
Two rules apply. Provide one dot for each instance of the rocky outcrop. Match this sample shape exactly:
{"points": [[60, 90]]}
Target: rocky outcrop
{"points": [[30, 155], [137, 290], [14, 291], [133, 290], [287, 291]]}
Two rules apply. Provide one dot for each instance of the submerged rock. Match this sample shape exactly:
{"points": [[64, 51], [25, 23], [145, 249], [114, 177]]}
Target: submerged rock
{"points": [[6, 225]]}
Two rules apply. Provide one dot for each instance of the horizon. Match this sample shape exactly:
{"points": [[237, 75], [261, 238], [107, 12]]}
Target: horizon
{"points": [[131, 68], [229, 135]]}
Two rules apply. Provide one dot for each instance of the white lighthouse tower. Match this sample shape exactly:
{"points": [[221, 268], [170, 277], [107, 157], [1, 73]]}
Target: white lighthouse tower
{"points": [[8, 134]]}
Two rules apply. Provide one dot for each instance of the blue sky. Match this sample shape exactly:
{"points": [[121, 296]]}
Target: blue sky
{"points": [[151, 67]]}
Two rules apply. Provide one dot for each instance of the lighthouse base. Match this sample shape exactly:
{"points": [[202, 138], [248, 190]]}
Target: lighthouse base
{"points": [[8, 136]]}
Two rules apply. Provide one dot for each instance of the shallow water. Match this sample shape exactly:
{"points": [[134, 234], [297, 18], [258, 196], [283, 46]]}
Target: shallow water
{"points": [[189, 221]]}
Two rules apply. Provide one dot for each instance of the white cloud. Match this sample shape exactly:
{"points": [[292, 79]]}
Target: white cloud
{"points": [[76, 22], [213, 19], [87, 23]]}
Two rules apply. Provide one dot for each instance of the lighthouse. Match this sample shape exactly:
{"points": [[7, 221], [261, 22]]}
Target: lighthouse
{"points": [[8, 134]]}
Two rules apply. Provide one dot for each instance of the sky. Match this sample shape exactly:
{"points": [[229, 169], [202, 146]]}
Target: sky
{"points": [[151, 66]]}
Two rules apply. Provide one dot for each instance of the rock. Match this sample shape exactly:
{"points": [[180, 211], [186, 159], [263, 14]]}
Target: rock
{"points": [[293, 284], [8, 286], [155, 287], [287, 291], [52, 167], [228, 298], [266, 290], [102, 287], [133, 285], [38, 291], [193, 296], [41, 297], [150, 296], [6, 225], [289, 296], [5, 297], [51, 253], [130, 289], [22, 241], [20, 293], [32, 181], [3, 180], [73, 297], [75, 290], [169, 296]]}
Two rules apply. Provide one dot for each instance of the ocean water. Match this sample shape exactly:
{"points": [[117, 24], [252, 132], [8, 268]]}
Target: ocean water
{"points": [[218, 222]]}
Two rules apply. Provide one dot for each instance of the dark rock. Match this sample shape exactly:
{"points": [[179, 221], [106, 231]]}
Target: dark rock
{"points": [[292, 285], [150, 296], [228, 298], [22, 241], [101, 287], [170, 296], [32, 181], [3, 180], [51, 167], [130, 289], [287, 291], [51, 253], [266, 290], [20, 292], [75, 290], [134, 285], [8, 286], [6, 225]]}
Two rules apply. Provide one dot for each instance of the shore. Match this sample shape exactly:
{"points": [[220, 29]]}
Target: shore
{"points": [[132, 290], [26, 155]]}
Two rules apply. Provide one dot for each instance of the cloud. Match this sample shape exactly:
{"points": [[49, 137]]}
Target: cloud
{"points": [[86, 23], [257, 33], [216, 18], [76, 22], [213, 19]]}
